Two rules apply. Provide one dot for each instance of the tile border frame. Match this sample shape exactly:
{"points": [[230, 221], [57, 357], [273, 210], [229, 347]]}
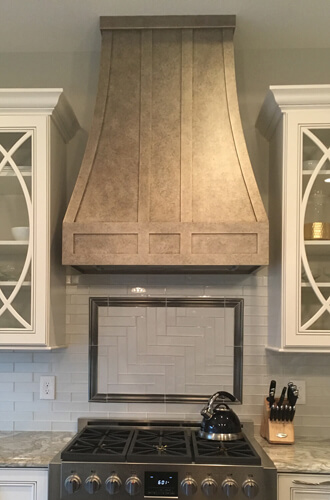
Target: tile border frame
{"points": [[96, 302]]}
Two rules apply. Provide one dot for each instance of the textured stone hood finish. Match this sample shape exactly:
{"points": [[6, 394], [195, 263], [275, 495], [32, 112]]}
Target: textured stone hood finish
{"points": [[166, 183]]}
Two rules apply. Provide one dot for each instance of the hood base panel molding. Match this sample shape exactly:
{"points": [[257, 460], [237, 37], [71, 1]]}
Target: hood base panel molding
{"points": [[166, 269], [166, 179], [182, 246]]}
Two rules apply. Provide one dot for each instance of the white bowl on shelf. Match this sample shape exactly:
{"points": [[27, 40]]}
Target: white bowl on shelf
{"points": [[20, 233]]}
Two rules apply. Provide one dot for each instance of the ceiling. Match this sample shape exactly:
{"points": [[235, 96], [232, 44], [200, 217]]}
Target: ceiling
{"points": [[72, 25]]}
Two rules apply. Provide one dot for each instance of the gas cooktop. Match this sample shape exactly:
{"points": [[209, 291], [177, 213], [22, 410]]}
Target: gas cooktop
{"points": [[156, 445]]}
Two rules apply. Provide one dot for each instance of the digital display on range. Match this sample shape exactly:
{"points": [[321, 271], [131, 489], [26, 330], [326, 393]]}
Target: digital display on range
{"points": [[160, 484]]}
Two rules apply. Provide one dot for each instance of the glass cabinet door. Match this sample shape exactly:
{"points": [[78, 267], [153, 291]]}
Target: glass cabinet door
{"points": [[16, 169], [315, 230]]}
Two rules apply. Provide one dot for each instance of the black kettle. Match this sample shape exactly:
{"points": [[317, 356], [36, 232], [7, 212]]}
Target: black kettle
{"points": [[219, 422]]}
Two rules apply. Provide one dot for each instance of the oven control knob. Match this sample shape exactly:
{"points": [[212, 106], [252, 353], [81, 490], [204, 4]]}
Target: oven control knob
{"points": [[229, 487], [250, 488], [209, 486], [92, 483], [72, 483], [113, 484], [189, 486], [133, 485]]}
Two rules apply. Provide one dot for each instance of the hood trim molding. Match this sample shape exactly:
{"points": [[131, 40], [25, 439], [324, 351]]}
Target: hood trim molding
{"points": [[166, 180], [166, 22]]}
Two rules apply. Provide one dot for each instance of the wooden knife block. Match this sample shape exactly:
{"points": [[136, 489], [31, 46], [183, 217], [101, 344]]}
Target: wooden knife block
{"points": [[276, 432]]}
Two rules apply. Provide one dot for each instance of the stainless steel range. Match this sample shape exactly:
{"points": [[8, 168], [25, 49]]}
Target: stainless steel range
{"points": [[159, 460]]}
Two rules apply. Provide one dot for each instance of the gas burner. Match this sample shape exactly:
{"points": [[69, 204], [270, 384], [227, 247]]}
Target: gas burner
{"points": [[99, 444], [238, 452], [161, 445]]}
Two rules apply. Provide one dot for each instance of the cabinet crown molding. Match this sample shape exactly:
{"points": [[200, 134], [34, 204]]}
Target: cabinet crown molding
{"points": [[41, 101], [282, 98]]}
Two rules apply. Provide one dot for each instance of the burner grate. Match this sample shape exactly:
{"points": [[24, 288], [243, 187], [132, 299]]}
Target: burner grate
{"points": [[99, 444], [238, 452], [104, 443], [160, 445]]}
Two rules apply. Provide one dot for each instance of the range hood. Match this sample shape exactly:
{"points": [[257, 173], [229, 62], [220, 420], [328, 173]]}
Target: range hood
{"points": [[166, 184]]}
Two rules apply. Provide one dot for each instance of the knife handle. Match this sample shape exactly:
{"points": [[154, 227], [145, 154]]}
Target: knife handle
{"points": [[285, 416], [280, 401], [272, 387], [272, 413], [271, 395]]}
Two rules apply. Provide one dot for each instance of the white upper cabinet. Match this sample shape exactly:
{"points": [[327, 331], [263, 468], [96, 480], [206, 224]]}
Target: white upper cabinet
{"points": [[35, 125], [296, 120]]}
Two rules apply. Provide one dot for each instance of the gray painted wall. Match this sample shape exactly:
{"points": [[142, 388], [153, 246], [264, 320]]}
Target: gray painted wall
{"points": [[56, 43]]}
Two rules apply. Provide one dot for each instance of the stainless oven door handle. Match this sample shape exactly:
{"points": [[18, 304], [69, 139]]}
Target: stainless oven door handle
{"points": [[309, 483]]}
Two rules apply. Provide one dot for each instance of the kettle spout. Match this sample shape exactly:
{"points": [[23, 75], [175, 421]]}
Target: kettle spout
{"points": [[207, 412]]}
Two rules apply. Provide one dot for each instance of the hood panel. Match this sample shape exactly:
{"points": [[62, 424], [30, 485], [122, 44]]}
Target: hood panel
{"points": [[166, 179]]}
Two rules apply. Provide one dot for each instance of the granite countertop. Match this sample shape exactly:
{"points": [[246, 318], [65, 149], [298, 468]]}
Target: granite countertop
{"points": [[306, 455], [30, 449], [36, 449]]}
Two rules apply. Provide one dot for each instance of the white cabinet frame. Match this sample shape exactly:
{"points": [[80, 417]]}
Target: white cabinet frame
{"points": [[46, 116], [23, 484], [289, 114], [303, 487]]}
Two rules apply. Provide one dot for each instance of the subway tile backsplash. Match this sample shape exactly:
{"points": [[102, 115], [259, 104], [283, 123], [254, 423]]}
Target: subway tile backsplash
{"points": [[184, 347], [21, 408]]}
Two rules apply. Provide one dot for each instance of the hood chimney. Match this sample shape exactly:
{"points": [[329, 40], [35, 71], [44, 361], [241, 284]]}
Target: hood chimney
{"points": [[166, 184]]}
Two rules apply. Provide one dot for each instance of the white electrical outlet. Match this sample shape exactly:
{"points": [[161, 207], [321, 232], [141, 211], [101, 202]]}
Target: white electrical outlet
{"points": [[301, 386], [47, 387]]}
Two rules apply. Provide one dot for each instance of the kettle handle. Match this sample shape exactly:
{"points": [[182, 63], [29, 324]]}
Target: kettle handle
{"points": [[207, 411], [223, 395]]}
